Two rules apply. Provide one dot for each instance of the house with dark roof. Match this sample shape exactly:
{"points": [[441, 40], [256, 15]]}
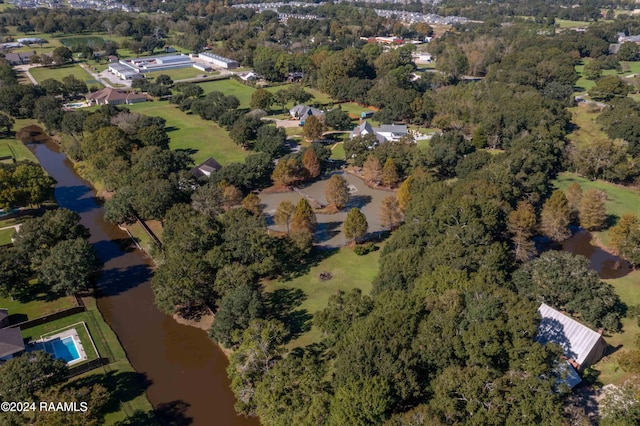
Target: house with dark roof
{"points": [[301, 112], [19, 58], [581, 346], [206, 168], [110, 96], [11, 343]]}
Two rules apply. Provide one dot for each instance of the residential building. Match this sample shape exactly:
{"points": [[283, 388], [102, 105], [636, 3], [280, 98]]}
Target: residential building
{"points": [[582, 346], [206, 168], [11, 343], [218, 61], [302, 112], [110, 96], [384, 133], [19, 58], [157, 63]]}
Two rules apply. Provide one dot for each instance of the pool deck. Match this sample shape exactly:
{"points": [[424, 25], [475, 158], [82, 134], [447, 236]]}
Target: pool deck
{"points": [[40, 344]]}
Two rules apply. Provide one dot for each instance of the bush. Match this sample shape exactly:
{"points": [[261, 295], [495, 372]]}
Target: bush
{"points": [[366, 248]]}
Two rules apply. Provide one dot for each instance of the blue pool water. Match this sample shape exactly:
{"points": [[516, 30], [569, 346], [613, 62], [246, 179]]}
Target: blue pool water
{"points": [[63, 349]]}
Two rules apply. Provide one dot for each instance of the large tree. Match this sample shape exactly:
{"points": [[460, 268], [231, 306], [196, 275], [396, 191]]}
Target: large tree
{"points": [[313, 127], [390, 213], [355, 225], [337, 191], [566, 282], [593, 213], [237, 309], [22, 376], [284, 214], [555, 217], [311, 163], [70, 267], [303, 218], [625, 237], [522, 225], [372, 170]]}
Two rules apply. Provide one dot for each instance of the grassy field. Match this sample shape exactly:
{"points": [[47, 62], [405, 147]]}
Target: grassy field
{"points": [[584, 85], [43, 73], [230, 87], [180, 73], [35, 308], [337, 152], [202, 138], [16, 149], [565, 23], [5, 236], [345, 276], [588, 130], [354, 110], [620, 199]]}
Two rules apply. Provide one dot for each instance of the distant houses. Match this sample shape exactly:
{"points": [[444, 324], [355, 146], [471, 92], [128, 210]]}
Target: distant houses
{"points": [[581, 346], [19, 58], [302, 112], [384, 133], [110, 96]]}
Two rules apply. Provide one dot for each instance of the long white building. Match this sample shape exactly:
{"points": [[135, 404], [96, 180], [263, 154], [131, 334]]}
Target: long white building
{"points": [[218, 61]]}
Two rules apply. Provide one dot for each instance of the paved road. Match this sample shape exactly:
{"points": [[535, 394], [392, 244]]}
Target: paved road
{"points": [[16, 227], [25, 70]]}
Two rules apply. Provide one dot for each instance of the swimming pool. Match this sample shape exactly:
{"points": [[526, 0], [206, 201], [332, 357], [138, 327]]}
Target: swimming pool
{"points": [[65, 348]]}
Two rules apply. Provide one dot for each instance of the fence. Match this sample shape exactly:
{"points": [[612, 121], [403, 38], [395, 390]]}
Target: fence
{"points": [[48, 318], [87, 366]]}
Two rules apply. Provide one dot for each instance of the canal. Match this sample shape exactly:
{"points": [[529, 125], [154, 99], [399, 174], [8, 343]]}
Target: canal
{"points": [[184, 367]]}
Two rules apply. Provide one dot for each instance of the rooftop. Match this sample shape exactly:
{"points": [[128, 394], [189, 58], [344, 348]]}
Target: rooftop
{"points": [[10, 341]]}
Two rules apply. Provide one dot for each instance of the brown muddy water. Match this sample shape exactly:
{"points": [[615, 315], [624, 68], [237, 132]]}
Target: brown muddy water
{"points": [[185, 369], [607, 265]]}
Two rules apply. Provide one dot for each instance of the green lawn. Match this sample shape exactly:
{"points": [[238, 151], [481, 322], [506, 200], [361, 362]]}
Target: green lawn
{"points": [[565, 23], [202, 138], [5, 236], [354, 109], [610, 371], [16, 149], [588, 129], [349, 271], [337, 152], [620, 199], [57, 73], [230, 87], [584, 85], [180, 73], [35, 308]]}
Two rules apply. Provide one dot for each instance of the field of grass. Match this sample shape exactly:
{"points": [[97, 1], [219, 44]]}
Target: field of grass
{"points": [[348, 270], [337, 152], [76, 43], [16, 149], [179, 74], [584, 85], [565, 23], [588, 130], [627, 288], [5, 236], [37, 307], [230, 87], [620, 199], [57, 73], [203, 139], [354, 110]]}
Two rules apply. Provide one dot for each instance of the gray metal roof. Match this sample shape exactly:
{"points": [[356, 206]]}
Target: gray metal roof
{"points": [[392, 128], [10, 341], [577, 340]]}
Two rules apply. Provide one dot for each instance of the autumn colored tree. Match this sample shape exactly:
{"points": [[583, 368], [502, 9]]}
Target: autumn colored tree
{"points": [[313, 127], [303, 217], [231, 196], [252, 203], [287, 172], [574, 197], [355, 225], [390, 175], [390, 214], [593, 213], [372, 170], [311, 163], [625, 237], [555, 217], [284, 214], [404, 194], [337, 191], [522, 224]]}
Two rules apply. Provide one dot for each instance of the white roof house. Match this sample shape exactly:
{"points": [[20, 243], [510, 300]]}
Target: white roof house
{"points": [[384, 133], [579, 343]]}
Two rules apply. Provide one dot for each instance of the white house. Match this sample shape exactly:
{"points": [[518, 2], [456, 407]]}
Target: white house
{"points": [[384, 133]]}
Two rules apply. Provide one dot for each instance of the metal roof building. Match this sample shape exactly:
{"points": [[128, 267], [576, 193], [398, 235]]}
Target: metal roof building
{"points": [[579, 343]]}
